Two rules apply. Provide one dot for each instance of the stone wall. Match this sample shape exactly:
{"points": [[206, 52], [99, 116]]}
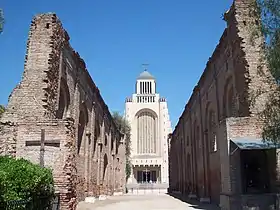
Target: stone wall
{"points": [[234, 85], [57, 94]]}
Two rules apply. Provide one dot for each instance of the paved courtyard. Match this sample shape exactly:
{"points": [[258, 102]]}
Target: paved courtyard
{"points": [[147, 202]]}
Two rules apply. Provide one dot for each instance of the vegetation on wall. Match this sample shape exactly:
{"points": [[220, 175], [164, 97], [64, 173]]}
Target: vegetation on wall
{"points": [[22, 180], [124, 127], [2, 110], [269, 15]]}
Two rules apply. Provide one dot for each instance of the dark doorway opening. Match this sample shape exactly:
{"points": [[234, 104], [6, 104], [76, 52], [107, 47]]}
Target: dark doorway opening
{"points": [[146, 176], [255, 171]]}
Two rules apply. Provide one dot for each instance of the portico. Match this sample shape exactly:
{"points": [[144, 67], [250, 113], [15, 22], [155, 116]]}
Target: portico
{"points": [[147, 174]]}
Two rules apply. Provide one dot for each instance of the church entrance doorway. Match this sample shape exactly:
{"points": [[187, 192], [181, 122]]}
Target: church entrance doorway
{"points": [[147, 176]]}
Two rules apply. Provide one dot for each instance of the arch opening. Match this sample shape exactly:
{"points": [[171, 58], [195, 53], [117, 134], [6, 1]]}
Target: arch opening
{"points": [[228, 99], [105, 164], [83, 120], [64, 100]]}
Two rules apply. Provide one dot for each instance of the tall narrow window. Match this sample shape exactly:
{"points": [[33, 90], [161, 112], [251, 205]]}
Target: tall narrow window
{"points": [[145, 87], [212, 131], [64, 100], [146, 132], [83, 120]]}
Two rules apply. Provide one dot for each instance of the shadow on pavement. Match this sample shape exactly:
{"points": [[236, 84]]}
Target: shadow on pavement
{"points": [[194, 203]]}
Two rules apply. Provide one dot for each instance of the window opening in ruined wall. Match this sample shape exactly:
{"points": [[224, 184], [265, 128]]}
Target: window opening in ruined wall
{"points": [[106, 140], [117, 144], [96, 136], [105, 166], [83, 120], [230, 103], [212, 132], [64, 100], [112, 141], [228, 99]]}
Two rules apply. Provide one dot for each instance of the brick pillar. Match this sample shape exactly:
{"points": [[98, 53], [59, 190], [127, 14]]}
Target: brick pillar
{"points": [[87, 161], [178, 164], [193, 161], [91, 153]]}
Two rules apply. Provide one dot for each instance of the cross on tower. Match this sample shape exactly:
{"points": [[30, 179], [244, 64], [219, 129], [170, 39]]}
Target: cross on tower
{"points": [[145, 66]]}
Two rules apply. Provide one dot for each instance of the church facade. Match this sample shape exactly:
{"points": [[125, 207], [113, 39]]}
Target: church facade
{"points": [[148, 116]]}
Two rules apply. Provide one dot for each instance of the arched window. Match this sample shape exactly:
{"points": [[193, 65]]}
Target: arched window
{"points": [[106, 140], [212, 131], [105, 166], [112, 140], [146, 132], [64, 100], [228, 99], [96, 135], [83, 120], [230, 103]]}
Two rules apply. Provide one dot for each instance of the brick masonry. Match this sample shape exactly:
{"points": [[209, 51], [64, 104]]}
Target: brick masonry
{"points": [[225, 104], [57, 94]]}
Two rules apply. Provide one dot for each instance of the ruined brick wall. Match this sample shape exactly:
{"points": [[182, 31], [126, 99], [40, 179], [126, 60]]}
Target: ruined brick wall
{"points": [[231, 128], [244, 127], [234, 83], [61, 158], [35, 97], [232, 196], [57, 90]]}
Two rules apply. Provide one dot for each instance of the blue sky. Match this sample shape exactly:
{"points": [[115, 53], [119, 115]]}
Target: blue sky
{"points": [[116, 36]]}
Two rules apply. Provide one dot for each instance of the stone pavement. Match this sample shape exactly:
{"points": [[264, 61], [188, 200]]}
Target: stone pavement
{"points": [[147, 202]]}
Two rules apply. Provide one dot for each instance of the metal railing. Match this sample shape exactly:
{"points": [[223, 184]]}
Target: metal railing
{"points": [[43, 203], [147, 188]]}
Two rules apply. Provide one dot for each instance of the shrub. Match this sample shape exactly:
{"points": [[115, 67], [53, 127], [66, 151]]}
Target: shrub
{"points": [[22, 180]]}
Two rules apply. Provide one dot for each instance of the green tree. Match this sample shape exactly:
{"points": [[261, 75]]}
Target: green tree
{"points": [[124, 127], [1, 20], [269, 14], [22, 180], [2, 110]]}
